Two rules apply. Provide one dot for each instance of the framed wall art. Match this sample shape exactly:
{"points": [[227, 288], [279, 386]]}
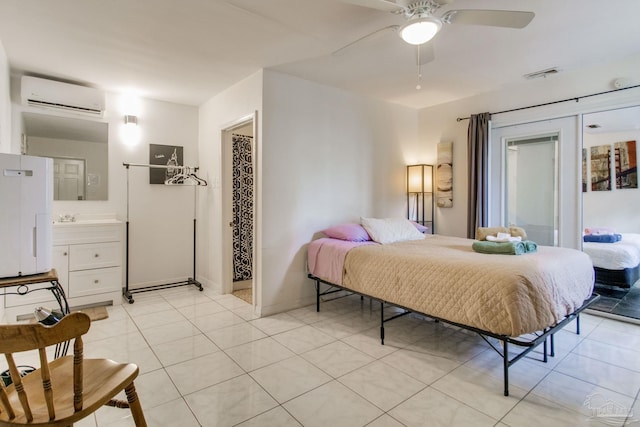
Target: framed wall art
{"points": [[584, 170], [165, 155], [444, 175], [624, 155], [601, 168]]}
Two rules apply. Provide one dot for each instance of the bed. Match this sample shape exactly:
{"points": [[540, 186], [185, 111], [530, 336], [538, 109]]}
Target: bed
{"points": [[521, 300], [618, 263]]}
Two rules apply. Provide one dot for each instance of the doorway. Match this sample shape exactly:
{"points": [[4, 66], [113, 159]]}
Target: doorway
{"points": [[68, 179], [531, 186], [239, 159], [550, 168]]}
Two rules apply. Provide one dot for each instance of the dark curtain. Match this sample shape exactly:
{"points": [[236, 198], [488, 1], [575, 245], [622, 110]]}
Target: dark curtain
{"points": [[478, 149]]}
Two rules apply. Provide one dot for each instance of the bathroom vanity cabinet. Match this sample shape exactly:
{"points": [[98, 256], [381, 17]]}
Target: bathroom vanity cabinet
{"points": [[88, 258]]}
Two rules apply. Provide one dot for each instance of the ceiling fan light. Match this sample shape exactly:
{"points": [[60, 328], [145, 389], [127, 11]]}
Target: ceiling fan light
{"points": [[420, 30]]}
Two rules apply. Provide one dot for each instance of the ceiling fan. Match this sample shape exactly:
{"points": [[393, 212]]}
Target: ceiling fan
{"points": [[422, 24]]}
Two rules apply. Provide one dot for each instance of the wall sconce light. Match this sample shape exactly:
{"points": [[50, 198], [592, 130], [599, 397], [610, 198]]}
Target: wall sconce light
{"points": [[131, 131], [420, 195], [131, 120]]}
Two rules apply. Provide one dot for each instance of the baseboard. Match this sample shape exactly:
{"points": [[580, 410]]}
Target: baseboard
{"points": [[613, 316], [211, 286], [283, 306]]}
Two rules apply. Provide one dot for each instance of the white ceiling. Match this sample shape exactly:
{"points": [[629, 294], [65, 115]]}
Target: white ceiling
{"points": [[611, 121], [189, 50]]}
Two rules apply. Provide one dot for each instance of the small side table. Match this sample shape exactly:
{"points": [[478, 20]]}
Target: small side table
{"points": [[22, 284]]}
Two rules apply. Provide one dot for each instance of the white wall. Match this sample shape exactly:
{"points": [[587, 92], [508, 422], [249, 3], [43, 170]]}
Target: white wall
{"points": [[5, 103], [438, 124], [324, 156], [161, 217], [5, 122], [618, 208], [238, 101], [328, 156]]}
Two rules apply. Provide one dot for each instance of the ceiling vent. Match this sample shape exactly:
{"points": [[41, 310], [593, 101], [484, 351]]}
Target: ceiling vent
{"points": [[542, 73], [62, 96]]}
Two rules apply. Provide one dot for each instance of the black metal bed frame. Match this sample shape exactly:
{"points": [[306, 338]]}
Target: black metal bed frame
{"points": [[529, 345]]}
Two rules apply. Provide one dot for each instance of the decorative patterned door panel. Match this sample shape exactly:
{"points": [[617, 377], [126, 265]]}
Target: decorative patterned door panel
{"points": [[243, 182]]}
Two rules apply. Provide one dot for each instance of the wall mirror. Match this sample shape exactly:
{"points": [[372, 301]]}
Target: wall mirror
{"points": [[609, 178], [611, 200], [79, 149]]}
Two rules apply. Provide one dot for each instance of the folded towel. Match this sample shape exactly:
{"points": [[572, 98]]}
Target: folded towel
{"points": [[602, 238], [504, 237], [504, 248], [530, 246], [597, 231], [483, 232]]}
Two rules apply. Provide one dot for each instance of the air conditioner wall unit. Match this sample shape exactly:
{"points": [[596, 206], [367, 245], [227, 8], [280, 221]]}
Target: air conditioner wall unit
{"points": [[62, 96]]}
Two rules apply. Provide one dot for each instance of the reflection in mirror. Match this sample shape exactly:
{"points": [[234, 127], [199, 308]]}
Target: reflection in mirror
{"points": [[611, 201], [611, 196], [79, 150]]}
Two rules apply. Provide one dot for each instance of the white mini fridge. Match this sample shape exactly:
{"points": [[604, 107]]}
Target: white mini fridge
{"points": [[26, 198]]}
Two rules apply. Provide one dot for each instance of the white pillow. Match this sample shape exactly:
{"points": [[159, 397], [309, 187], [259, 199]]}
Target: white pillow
{"points": [[390, 230]]}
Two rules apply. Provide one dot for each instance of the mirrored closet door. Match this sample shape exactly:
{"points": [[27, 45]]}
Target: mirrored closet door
{"points": [[611, 199]]}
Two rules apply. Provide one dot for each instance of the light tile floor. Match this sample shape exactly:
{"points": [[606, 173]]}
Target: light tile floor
{"points": [[205, 360]]}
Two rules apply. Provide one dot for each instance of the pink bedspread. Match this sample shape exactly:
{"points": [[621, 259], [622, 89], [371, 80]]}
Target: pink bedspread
{"points": [[325, 257]]}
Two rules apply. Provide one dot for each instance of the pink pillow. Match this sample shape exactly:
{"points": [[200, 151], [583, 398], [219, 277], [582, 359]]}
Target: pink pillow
{"points": [[350, 232], [421, 228]]}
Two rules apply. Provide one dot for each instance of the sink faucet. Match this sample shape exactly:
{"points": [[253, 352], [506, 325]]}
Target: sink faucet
{"points": [[66, 218]]}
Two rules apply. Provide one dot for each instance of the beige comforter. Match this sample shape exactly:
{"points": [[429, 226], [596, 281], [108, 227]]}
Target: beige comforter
{"points": [[504, 294]]}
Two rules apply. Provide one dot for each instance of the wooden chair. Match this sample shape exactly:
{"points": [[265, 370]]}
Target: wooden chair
{"points": [[66, 389]]}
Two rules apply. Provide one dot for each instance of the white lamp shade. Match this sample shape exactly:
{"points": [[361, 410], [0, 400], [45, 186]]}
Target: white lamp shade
{"points": [[420, 30], [419, 179], [428, 180]]}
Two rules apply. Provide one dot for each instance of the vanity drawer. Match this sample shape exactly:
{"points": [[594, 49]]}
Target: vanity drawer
{"points": [[95, 255], [76, 233], [97, 281]]}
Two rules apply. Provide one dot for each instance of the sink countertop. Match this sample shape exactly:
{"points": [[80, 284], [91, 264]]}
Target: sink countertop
{"points": [[88, 219]]}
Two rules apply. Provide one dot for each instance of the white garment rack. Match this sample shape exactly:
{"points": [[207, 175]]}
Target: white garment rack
{"points": [[190, 179]]}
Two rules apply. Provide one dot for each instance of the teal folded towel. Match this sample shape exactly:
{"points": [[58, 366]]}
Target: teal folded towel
{"points": [[504, 248], [530, 246]]}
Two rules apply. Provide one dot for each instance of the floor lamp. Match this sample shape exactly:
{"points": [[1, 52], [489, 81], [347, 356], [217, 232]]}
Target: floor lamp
{"points": [[420, 195]]}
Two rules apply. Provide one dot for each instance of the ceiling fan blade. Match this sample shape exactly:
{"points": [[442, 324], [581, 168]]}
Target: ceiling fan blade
{"points": [[384, 5], [494, 18], [424, 53], [371, 36]]}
